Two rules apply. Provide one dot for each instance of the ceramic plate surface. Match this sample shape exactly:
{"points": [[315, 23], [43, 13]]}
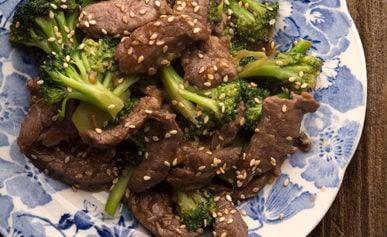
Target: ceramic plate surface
{"points": [[32, 204]]}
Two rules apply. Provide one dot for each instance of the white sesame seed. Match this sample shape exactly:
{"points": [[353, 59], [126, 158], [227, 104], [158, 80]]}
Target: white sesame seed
{"points": [[146, 178], [92, 22], [196, 30], [140, 59], [157, 3], [143, 11], [171, 18], [111, 106], [284, 108], [98, 130]]}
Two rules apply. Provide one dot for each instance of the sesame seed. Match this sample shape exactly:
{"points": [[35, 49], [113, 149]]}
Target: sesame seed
{"points": [[196, 8], [63, 6], [224, 234], [164, 62], [281, 216], [92, 22], [54, 6], [125, 19], [230, 221], [228, 197], [167, 164], [131, 14], [300, 73], [201, 69], [160, 42], [286, 182], [207, 84], [279, 62], [273, 161], [155, 138], [146, 155], [202, 167], [174, 162], [153, 36], [284, 108], [171, 18], [225, 78], [210, 76], [130, 51], [87, 24], [98, 130], [104, 31], [165, 48], [67, 159], [256, 190], [51, 39], [143, 11], [292, 79], [65, 65], [157, 23], [111, 106], [222, 219], [304, 85], [157, 3], [196, 30], [140, 59], [146, 178]]}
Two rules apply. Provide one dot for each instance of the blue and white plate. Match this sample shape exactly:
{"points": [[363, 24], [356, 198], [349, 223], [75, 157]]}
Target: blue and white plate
{"points": [[32, 204]]}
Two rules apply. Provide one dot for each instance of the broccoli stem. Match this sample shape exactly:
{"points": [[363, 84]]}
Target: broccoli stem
{"points": [[87, 116], [171, 82], [118, 192], [94, 94], [241, 12]]}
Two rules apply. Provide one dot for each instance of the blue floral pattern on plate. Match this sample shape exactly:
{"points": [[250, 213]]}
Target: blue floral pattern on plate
{"points": [[32, 203]]}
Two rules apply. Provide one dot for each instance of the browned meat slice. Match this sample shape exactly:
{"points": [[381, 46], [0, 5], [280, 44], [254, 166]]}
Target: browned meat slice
{"points": [[77, 164], [120, 17], [128, 125], [196, 165], [154, 210], [158, 43], [227, 133], [39, 117], [164, 137], [228, 221], [197, 9], [209, 64], [280, 125], [55, 147]]}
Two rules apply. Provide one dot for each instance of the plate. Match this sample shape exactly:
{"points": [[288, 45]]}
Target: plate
{"points": [[33, 204]]}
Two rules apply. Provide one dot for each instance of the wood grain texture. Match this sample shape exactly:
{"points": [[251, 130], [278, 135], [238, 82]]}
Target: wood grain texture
{"points": [[360, 206]]}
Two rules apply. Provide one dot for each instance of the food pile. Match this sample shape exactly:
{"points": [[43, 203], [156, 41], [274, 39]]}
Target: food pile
{"points": [[180, 108]]}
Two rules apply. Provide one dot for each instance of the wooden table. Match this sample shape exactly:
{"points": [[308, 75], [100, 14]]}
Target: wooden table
{"points": [[360, 207]]}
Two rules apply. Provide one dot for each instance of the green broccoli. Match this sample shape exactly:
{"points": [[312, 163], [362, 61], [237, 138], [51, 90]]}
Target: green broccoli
{"points": [[205, 109], [215, 11], [253, 97], [195, 208], [87, 73], [295, 69], [251, 21], [48, 25]]}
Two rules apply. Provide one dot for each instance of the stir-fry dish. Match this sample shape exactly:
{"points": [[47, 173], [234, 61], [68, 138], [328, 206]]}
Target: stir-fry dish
{"points": [[180, 108]]}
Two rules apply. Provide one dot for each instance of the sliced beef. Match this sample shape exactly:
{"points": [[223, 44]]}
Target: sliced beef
{"points": [[280, 125], [39, 116], [120, 17], [208, 64], [158, 43], [55, 147], [228, 221], [154, 210], [196, 165], [77, 164], [129, 125], [197, 9], [164, 137]]}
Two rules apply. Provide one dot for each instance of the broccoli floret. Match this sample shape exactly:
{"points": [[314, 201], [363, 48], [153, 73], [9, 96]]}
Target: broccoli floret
{"points": [[215, 11], [87, 73], [295, 69], [195, 208], [205, 109], [251, 20], [48, 25], [253, 97]]}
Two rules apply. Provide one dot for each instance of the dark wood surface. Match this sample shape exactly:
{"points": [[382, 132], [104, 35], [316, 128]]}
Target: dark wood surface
{"points": [[360, 206]]}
